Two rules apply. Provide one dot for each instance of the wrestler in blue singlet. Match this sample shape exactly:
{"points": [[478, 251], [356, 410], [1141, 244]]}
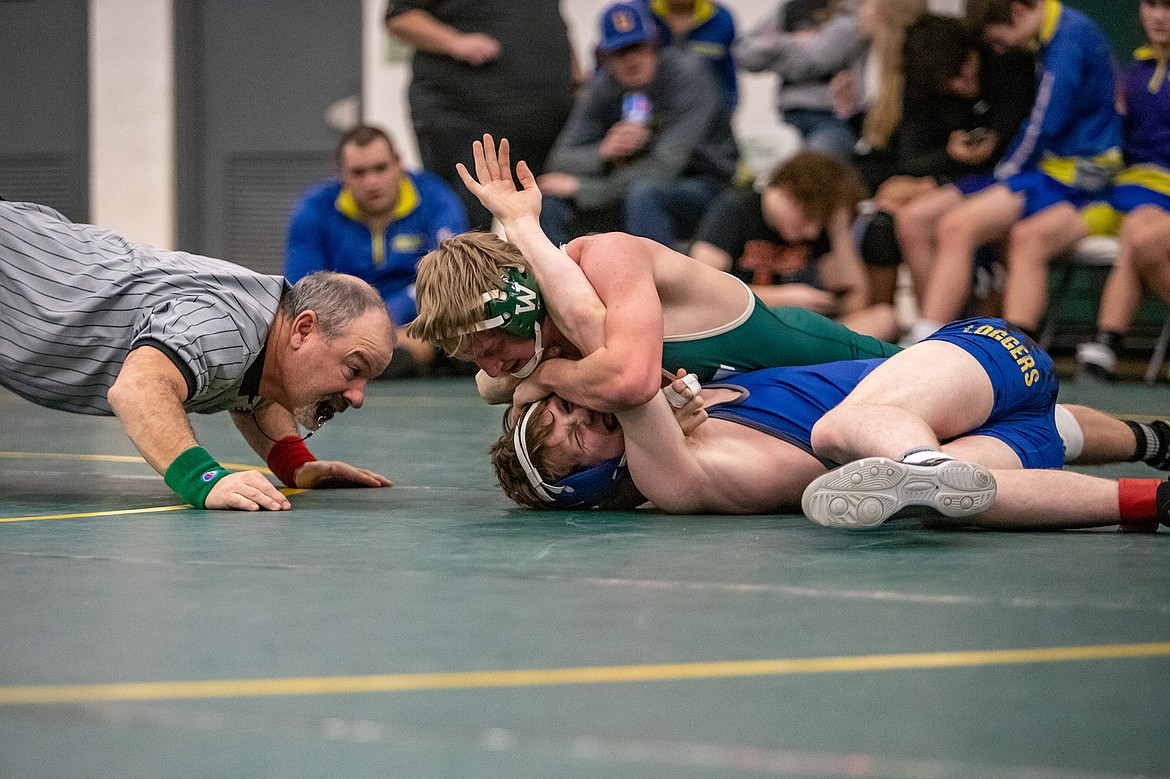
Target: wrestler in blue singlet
{"points": [[787, 402]]}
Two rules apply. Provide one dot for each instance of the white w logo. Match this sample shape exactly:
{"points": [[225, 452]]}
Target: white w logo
{"points": [[525, 300]]}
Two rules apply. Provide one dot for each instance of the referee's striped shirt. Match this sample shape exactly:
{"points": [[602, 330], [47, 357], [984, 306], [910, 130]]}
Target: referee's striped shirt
{"points": [[75, 299]]}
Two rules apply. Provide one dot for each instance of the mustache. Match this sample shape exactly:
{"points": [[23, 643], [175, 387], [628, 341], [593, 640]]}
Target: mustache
{"points": [[322, 411], [327, 407]]}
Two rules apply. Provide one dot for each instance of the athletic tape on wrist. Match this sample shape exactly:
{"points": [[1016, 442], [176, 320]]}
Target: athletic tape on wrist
{"points": [[286, 456], [192, 475], [677, 399]]}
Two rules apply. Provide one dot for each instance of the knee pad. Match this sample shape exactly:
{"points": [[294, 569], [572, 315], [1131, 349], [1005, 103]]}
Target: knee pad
{"points": [[879, 244], [1071, 435]]}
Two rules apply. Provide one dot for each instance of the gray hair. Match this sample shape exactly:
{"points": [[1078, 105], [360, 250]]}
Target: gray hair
{"points": [[338, 299]]}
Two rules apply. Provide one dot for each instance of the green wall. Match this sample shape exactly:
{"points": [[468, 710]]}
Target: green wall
{"points": [[1119, 20]]}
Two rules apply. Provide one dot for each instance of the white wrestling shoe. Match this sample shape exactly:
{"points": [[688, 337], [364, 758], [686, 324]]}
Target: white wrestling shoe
{"points": [[865, 493]]}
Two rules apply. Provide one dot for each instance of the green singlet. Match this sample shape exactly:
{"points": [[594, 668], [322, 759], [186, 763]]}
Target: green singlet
{"points": [[769, 338]]}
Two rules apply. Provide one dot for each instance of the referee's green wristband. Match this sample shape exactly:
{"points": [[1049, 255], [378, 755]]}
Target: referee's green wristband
{"points": [[193, 474]]}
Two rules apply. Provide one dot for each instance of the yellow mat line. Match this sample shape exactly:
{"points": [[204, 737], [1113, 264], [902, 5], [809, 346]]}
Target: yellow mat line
{"points": [[113, 513], [335, 685], [112, 458], [104, 458], [116, 512]]}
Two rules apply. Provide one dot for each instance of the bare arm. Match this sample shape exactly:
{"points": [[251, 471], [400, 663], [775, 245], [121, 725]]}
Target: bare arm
{"points": [[496, 390], [721, 468], [570, 298], [423, 31], [710, 254], [797, 295], [842, 270], [147, 398], [625, 370], [611, 311], [269, 418], [271, 421]]}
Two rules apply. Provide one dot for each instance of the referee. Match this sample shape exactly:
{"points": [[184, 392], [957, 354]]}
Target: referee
{"points": [[92, 324]]}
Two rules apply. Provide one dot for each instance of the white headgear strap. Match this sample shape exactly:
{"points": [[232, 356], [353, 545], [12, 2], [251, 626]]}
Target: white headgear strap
{"points": [[530, 366], [538, 483], [486, 324]]}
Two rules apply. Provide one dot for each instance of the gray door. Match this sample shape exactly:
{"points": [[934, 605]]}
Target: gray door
{"points": [[253, 83], [44, 105]]}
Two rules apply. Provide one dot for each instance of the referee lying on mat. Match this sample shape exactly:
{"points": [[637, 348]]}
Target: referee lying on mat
{"points": [[93, 324]]}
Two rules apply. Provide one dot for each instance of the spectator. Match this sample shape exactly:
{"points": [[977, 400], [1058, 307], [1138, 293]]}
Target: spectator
{"points": [[707, 30], [960, 107], [875, 106], [375, 222], [806, 44], [1066, 152], [497, 66], [95, 325], [649, 143], [793, 243], [882, 24], [1142, 194]]}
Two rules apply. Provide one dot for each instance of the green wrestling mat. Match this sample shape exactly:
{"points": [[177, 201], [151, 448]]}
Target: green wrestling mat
{"points": [[434, 630]]}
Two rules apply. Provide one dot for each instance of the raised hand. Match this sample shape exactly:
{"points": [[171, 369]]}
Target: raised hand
{"points": [[493, 184]]}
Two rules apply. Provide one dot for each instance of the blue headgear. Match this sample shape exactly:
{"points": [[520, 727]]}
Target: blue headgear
{"points": [[607, 483]]}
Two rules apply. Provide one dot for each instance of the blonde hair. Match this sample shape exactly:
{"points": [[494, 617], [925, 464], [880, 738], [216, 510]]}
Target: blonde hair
{"points": [[450, 284], [884, 116]]}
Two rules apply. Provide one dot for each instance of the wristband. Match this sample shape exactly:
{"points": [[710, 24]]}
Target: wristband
{"points": [[192, 475], [286, 456]]}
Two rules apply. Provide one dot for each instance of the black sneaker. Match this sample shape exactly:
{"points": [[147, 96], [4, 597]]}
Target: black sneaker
{"points": [[867, 492]]}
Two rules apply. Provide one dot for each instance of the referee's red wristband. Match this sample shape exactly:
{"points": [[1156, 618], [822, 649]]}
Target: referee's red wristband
{"points": [[285, 456]]}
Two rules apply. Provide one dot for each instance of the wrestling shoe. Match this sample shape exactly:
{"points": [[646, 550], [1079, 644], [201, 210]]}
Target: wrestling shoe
{"points": [[867, 492], [1096, 363]]}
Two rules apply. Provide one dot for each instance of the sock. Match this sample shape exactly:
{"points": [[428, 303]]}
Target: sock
{"points": [[1110, 339], [1153, 443], [879, 244], [923, 455], [921, 329], [1138, 504]]}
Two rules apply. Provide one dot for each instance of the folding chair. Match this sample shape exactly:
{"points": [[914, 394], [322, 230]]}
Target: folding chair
{"points": [[1097, 251]]}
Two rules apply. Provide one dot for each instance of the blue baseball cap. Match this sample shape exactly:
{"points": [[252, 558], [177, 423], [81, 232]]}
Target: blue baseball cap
{"points": [[625, 24]]}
